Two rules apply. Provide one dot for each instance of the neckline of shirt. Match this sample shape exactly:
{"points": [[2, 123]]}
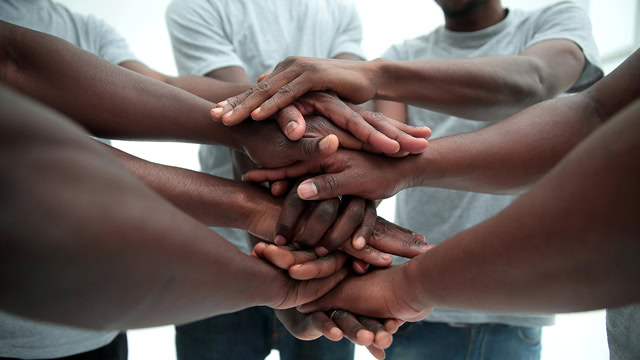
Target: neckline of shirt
{"points": [[474, 38]]}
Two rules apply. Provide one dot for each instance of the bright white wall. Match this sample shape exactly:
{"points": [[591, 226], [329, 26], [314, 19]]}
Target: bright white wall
{"points": [[141, 22]]}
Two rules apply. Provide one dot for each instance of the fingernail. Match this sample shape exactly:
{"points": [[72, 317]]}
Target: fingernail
{"points": [[419, 236], [307, 190], [359, 243], [426, 246], [222, 103], [256, 111], [321, 251], [294, 267], [325, 143], [280, 240], [243, 177], [290, 127], [217, 110], [386, 257], [227, 115]]}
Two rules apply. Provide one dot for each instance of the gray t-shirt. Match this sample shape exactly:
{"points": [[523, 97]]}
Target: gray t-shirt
{"points": [[440, 213], [623, 332], [22, 338], [256, 35]]}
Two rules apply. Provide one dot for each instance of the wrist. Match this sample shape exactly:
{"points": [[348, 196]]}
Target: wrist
{"points": [[416, 294], [375, 71]]}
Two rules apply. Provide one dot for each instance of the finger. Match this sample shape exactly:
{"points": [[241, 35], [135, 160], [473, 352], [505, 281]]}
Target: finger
{"points": [[384, 125], [415, 131], [360, 266], [286, 258], [313, 289], [365, 230], [317, 126], [352, 328], [368, 254], [263, 76], [284, 95], [329, 329], [279, 188], [316, 149], [292, 209], [383, 338], [348, 221], [345, 117], [376, 353], [316, 223], [392, 325], [224, 109], [319, 268], [292, 171], [258, 249], [291, 122], [327, 186], [393, 239]]}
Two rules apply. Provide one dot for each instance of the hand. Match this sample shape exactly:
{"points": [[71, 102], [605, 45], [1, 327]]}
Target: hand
{"points": [[294, 77], [379, 133], [387, 293], [306, 264], [360, 330], [265, 144], [345, 172]]}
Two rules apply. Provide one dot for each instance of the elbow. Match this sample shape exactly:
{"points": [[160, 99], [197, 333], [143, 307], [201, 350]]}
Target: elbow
{"points": [[535, 86]]}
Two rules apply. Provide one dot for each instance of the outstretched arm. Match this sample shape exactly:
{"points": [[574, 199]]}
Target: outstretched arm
{"points": [[96, 248], [569, 244], [506, 157], [482, 88]]}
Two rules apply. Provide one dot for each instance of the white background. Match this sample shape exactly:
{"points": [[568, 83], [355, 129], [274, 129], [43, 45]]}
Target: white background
{"points": [[575, 336]]}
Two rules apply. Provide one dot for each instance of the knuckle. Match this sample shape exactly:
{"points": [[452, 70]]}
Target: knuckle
{"points": [[378, 117], [355, 214], [331, 183], [262, 87], [287, 90]]}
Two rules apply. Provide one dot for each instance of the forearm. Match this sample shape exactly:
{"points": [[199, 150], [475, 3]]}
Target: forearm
{"points": [[509, 156], [570, 244], [80, 230], [212, 200], [208, 88], [106, 99], [482, 88]]}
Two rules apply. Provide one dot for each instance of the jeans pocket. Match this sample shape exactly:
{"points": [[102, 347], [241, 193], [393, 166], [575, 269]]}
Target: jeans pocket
{"points": [[529, 335]]}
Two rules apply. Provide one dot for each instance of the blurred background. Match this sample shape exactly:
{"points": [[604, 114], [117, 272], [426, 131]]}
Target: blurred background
{"points": [[616, 27]]}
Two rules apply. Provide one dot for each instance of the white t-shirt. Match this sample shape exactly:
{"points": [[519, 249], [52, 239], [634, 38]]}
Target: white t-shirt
{"points": [[22, 338], [440, 213], [256, 35]]}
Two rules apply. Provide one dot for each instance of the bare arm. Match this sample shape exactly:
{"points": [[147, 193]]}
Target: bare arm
{"points": [[483, 88], [570, 244], [506, 157], [206, 88], [96, 248]]}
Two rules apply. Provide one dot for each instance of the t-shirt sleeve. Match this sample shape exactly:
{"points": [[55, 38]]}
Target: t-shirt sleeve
{"points": [[395, 53], [567, 20], [348, 38], [109, 44], [200, 44]]}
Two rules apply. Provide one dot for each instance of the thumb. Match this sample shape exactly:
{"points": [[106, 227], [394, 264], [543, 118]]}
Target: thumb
{"points": [[324, 187], [313, 289], [291, 122], [316, 148]]}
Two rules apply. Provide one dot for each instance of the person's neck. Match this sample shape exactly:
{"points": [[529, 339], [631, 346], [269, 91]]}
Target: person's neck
{"points": [[480, 18]]}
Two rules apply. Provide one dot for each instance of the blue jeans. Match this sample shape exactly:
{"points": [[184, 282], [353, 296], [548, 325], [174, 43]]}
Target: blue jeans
{"points": [[251, 334], [435, 341]]}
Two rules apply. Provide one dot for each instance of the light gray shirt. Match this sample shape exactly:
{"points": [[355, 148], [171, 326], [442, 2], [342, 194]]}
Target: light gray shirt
{"points": [[256, 35], [440, 213], [22, 338]]}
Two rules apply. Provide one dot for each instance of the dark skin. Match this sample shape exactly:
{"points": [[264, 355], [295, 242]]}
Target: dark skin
{"points": [[72, 66], [483, 88], [182, 270], [569, 242], [505, 158]]}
